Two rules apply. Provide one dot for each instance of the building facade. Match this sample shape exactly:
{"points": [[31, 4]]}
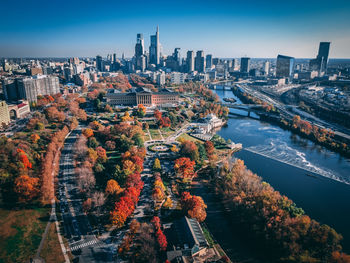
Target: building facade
{"points": [[284, 66], [30, 88], [154, 49], [199, 63], [245, 64], [141, 96], [190, 61], [320, 63], [4, 113]]}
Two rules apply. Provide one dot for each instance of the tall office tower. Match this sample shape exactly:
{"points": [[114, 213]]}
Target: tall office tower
{"points": [[321, 61], [233, 65], [4, 113], [114, 57], [99, 64], [266, 68], [140, 59], [139, 47], [154, 49], [245, 64], [209, 61], [190, 61], [199, 61], [177, 56], [284, 66]]}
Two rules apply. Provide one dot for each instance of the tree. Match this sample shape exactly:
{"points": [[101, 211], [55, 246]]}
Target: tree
{"points": [[113, 188], [141, 110], [126, 117], [193, 206], [189, 149], [185, 167], [54, 115], [157, 115], [110, 145], [88, 132], [26, 187], [209, 147], [101, 153], [156, 165], [162, 241], [35, 137], [174, 149]]}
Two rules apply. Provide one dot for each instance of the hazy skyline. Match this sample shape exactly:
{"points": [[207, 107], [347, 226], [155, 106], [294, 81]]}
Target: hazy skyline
{"points": [[222, 28]]}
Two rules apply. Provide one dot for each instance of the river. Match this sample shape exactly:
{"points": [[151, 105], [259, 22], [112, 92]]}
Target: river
{"points": [[315, 178]]}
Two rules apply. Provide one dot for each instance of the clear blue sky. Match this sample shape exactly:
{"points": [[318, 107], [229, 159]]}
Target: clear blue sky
{"points": [[256, 28]]}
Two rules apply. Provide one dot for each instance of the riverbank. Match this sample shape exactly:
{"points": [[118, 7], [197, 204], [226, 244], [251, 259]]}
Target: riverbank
{"points": [[280, 154], [312, 132]]}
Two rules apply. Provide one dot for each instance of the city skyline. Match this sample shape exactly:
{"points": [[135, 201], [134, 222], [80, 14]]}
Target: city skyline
{"points": [[224, 29]]}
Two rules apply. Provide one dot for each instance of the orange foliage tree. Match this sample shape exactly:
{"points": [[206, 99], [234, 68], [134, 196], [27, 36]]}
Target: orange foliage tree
{"points": [[26, 187]]}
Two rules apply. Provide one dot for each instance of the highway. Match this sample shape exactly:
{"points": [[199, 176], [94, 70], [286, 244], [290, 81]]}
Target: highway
{"points": [[289, 111]]}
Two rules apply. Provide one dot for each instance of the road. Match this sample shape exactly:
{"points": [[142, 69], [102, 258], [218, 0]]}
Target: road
{"points": [[82, 241], [289, 112]]}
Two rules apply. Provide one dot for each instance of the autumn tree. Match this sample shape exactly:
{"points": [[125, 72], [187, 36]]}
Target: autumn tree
{"points": [[113, 188], [193, 206], [88, 132], [189, 149], [26, 187], [156, 165], [185, 168]]}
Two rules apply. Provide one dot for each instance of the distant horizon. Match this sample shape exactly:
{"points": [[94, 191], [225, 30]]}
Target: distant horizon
{"points": [[94, 57], [222, 28]]}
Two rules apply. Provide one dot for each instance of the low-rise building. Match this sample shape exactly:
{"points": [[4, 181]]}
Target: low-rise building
{"points": [[19, 110], [141, 96]]}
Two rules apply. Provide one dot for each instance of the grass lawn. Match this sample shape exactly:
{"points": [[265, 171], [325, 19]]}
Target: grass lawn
{"points": [[51, 251], [21, 232], [166, 132], [155, 134], [146, 137], [187, 137]]}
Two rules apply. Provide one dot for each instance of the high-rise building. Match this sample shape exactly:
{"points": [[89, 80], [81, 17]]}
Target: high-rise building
{"points": [[154, 49], [140, 59], [30, 88], [199, 62], [4, 114], [114, 57], [139, 47], [177, 56], [99, 63], [190, 61], [266, 68], [209, 61], [245, 64], [321, 61], [284, 66]]}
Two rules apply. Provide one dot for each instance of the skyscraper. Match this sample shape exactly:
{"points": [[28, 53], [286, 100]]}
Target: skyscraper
{"points": [[284, 66], [139, 47], [266, 68], [321, 61], [199, 61], [190, 61], [140, 59], [245, 64], [99, 64], [209, 61], [154, 49]]}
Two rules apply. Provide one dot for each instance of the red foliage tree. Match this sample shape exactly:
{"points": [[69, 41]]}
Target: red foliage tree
{"points": [[185, 167]]}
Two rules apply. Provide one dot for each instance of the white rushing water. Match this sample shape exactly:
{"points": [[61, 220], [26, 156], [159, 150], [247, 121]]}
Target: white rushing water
{"points": [[280, 151]]}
